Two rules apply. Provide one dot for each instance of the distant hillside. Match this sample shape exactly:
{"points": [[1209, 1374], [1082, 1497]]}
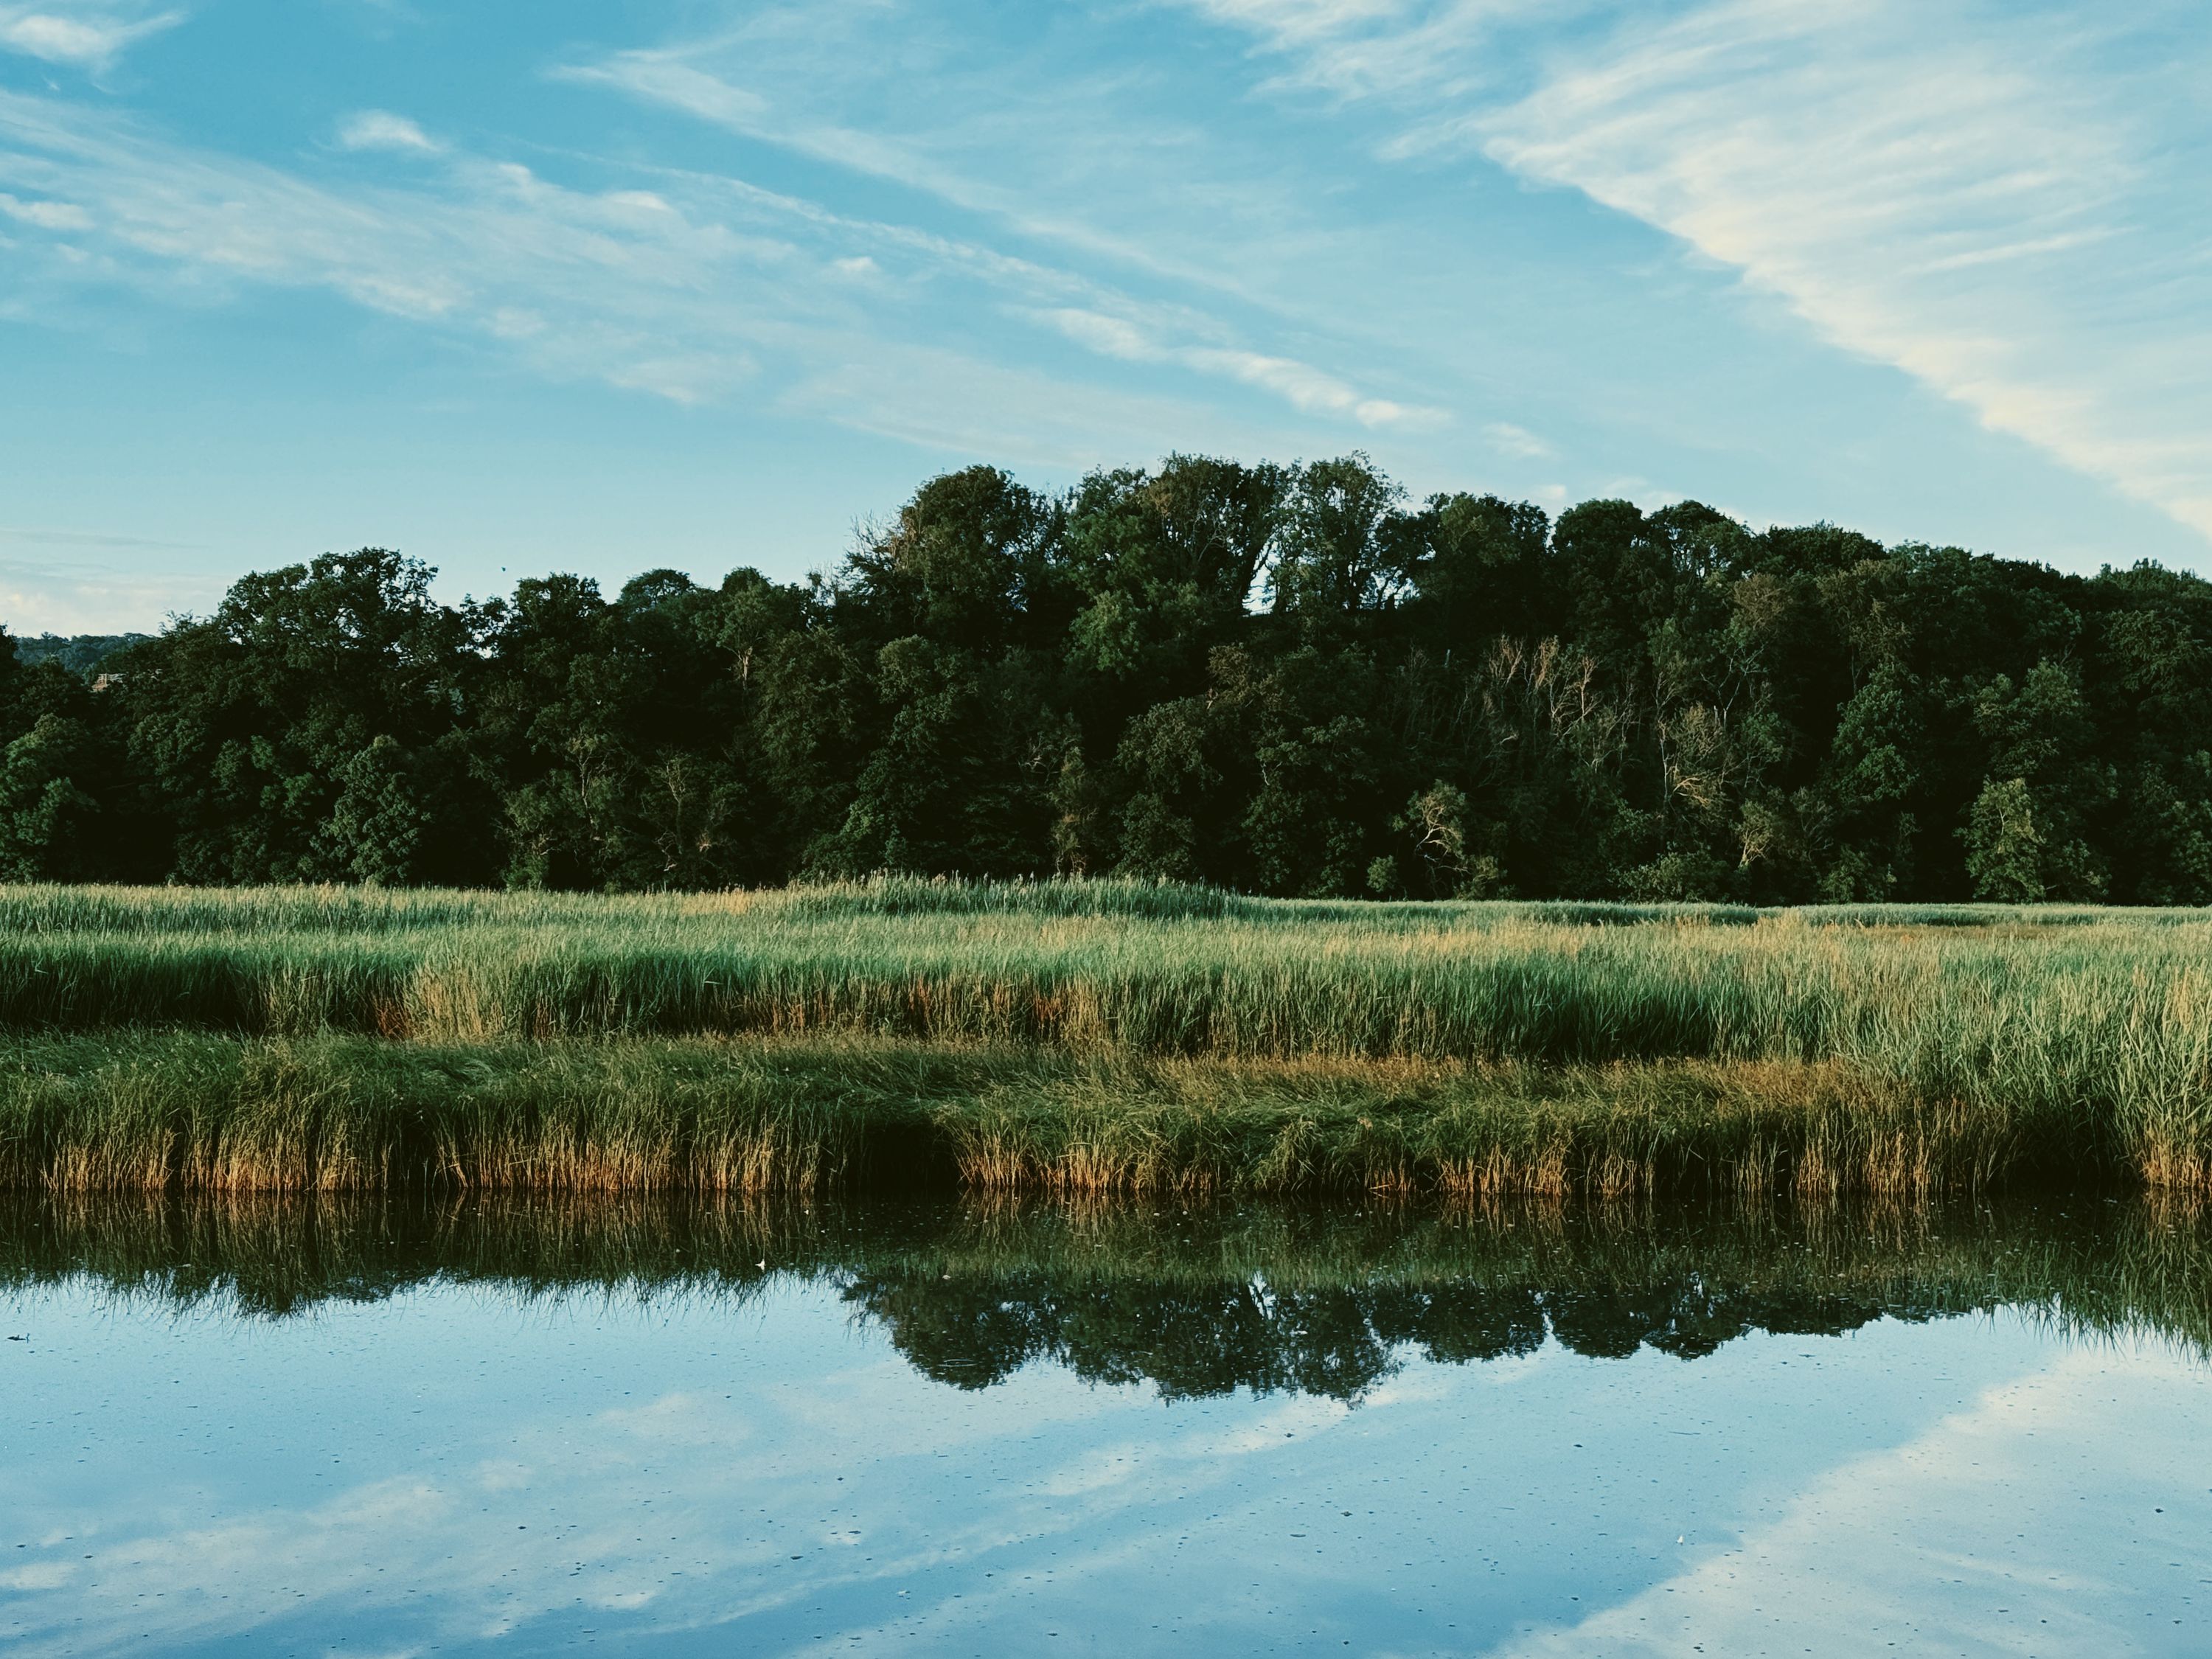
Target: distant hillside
{"points": [[80, 653]]}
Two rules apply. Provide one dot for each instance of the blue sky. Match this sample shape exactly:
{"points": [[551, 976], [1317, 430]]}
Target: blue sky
{"points": [[603, 287]]}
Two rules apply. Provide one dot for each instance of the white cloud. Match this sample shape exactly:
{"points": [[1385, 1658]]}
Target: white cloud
{"points": [[59, 581], [86, 36], [956, 405], [47, 215], [1179, 265], [669, 78], [692, 291], [1309, 390], [377, 129], [1925, 191], [1354, 48], [2000, 204], [1518, 442], [1305, 20], [616, 285], [1109, 336]]}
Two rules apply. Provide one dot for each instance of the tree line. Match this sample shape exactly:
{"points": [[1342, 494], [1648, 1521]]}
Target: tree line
{"points": [[1279, 679]]}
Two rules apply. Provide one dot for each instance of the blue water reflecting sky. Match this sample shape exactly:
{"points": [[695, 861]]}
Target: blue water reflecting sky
{"points": [[464, 1470]]}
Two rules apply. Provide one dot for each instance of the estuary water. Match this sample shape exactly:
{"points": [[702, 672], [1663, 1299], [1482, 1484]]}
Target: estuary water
{"points": [[948, 1428]]}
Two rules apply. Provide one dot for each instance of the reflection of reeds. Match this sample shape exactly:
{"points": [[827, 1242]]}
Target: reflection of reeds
{"points": [[1094, 1036], [1195, 1296]]}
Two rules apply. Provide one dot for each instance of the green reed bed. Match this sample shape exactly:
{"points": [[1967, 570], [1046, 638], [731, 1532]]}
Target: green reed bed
{"points": [[1112, 1036], [176, 1110]]}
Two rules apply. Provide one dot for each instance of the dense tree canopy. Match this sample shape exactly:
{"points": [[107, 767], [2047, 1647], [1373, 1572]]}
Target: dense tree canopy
{"points": [[1286, 679]]}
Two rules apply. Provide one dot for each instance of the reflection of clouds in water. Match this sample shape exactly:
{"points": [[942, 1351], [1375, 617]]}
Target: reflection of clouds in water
{"points": [[39, 1575], [205, 1584], [2028, 1522], [686, 1508], [665, 1479], [1176, 1458]]}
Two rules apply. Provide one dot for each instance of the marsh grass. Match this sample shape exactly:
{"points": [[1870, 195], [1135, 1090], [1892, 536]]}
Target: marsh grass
{"points": [[1090, 1036], [154, 1112]]}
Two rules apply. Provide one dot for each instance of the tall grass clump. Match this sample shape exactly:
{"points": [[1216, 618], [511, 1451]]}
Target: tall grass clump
{"points": [[182, 1111], [1963, 1041]]}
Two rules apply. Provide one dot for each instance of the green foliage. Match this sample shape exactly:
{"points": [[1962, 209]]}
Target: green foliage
{"points": [[2005, 850], [45, 817], [1288, 680]]}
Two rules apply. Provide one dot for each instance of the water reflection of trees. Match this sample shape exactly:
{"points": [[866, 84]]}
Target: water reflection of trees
{"points": [[1210, 1339], [1269, 1299]]}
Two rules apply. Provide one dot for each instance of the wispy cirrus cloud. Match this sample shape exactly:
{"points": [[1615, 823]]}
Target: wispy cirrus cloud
{"points": [[603, 284], [698, 287], [684, 77], [1998, 206], [46, 215], [81, 35], [1518, 441], [1304, 387], [1952, 200], [698, 290], [953, 163], [1362, 48]]}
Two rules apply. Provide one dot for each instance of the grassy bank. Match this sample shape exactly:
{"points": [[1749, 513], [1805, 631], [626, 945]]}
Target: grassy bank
{"points": [[1088, 1036], [152, 1112]]}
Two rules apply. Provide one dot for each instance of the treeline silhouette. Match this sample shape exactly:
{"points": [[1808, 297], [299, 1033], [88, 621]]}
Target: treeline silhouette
{"points": [[1278, 679]]}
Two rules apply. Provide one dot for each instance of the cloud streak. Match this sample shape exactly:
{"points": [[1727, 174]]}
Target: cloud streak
{"points": [[786, 78], [1304, 387], [690, 291], [377, 129], [1996, 206], [1386, 48], [694, 291], [671, 79], [1954, 206], [80, 36]]}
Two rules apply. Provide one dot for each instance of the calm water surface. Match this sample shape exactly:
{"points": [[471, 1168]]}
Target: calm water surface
{"points": [[938, 1429]]}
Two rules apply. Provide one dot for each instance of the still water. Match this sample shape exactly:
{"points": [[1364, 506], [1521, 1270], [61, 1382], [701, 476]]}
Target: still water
{"points": [[390, 1430]]}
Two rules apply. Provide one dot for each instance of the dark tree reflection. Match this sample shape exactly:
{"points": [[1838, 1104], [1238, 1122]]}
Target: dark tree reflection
{"points": [[1192, 1341], [1269, 1299]]}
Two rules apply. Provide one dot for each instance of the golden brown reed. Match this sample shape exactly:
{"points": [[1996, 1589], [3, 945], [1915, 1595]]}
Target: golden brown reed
{"points": [[183, 1111]]}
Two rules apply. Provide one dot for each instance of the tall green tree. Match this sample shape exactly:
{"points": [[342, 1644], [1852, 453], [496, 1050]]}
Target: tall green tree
{"points": [[251, 725], [1285, 679]]}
